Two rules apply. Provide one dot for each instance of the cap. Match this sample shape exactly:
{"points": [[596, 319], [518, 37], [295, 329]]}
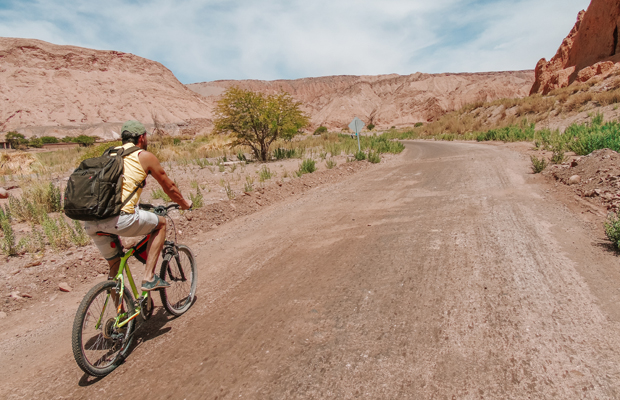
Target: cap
{"points": [[133, 129]]}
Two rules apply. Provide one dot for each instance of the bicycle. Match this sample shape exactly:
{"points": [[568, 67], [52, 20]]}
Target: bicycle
{"points": [[103, 332]]}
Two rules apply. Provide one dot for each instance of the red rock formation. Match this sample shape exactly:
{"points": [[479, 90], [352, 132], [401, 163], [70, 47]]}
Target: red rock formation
{"points": [[385, 100], [590, 49], [45, 86]]}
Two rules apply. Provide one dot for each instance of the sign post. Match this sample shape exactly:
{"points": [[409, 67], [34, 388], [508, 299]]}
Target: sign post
{"points": [[356, 126]]}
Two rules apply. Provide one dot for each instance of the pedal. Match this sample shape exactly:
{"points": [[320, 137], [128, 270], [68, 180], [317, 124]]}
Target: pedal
{"points": [[146, 307]]}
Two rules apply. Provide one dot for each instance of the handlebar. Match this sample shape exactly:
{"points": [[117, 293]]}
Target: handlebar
{"points": [[159, 210]]}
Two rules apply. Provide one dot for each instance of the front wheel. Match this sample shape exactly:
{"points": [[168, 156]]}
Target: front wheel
{"points": [[98, 346], [180, 272]]}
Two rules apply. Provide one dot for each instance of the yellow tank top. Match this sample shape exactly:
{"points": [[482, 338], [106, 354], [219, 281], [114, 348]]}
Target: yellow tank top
{"points": [[134, 174]]}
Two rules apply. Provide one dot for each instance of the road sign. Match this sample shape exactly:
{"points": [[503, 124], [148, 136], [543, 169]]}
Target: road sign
{"points": [[356, 126]]}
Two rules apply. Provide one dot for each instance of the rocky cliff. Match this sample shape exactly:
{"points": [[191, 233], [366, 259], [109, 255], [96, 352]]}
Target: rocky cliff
{"points": [[590, 49], [51, 89], [385, 100]]}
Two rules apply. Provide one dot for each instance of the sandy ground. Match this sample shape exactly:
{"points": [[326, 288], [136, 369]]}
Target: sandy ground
{"points": [[449, 272]]}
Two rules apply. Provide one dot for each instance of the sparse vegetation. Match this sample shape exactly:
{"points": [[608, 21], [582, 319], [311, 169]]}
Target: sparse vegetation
{"points": [[307, 166], [538, 164], [330, 163], [198, 199], [360, 156], [264, 174], [612, 228], [159, 193], [320, 130], [374, 157]]}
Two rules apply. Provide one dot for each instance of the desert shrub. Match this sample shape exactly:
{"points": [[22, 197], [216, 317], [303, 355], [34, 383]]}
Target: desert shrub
{"points": [[84, 140], [612, 227], [374, 157], [280, 153], [360, 156], [49, 139], [229, 192], [307, 166], [35, 142], [249, 184], [371, 126], [331, 163], [159, 193], [418, 124], [78, 234], [321, 129], [7, 245], [198, 199], [98, 150], [538, 164], [264, 174]]}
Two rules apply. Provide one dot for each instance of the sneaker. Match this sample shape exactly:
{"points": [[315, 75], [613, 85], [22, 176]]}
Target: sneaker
{"points": [[156, 283]]}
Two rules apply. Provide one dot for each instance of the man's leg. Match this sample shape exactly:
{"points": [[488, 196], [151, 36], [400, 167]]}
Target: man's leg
{"points": [[153, 249], [114, 264]]}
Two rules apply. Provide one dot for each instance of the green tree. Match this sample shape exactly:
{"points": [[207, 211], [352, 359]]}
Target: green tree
{"points": [[49, 139], [16, 140], [257, 119], [85, 140], [35, 142]]}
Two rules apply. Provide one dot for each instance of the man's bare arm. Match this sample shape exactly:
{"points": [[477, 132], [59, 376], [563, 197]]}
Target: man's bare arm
{"points": [[151, 165]]}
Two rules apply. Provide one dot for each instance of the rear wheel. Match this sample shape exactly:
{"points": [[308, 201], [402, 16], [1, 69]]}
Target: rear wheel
{"points": [[180, 272], [99, 347]]}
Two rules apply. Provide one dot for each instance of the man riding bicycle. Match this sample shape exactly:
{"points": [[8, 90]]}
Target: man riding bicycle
{"points": [[133, 221]]}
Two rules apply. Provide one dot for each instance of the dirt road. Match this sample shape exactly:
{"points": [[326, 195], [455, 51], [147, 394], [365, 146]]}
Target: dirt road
{"points": [[447, 273]]}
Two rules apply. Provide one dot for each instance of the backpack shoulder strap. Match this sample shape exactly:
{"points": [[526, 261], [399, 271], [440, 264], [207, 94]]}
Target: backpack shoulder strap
{"points": [[130, 150], [123, 152]]}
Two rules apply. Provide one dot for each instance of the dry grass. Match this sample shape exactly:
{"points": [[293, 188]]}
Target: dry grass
{"points": [[18, 163]]}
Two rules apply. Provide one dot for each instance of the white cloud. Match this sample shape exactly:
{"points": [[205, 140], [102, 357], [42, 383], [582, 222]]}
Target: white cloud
{"points": [[223, 39]]}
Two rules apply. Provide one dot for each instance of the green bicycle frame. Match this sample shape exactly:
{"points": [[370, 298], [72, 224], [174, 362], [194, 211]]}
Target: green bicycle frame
{"points": [[123, 267]]}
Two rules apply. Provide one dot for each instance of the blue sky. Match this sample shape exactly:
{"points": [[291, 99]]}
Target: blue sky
{"points": [[288, 39]]}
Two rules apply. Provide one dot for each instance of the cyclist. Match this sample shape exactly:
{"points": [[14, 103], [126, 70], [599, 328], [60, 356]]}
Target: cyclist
{"points": [[133, 221]]}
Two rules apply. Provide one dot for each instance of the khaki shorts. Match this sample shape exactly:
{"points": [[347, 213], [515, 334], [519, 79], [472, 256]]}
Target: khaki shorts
{"points": [[138, 224]]}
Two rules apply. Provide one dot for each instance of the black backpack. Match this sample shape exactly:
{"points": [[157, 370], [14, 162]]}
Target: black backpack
{"points": [[94, 189]]}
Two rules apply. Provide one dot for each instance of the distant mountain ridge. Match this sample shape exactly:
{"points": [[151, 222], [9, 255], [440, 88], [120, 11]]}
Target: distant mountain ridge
{"points": [[52, 89], [385, 100], [49, 89]]}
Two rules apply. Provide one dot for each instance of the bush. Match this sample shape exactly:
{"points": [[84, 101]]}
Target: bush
{"points": [[371, 126], [538, 165], [85, 140], [374, 157], [307, 166], [418, 124], [97, 151], [360, 156], [321, 129], [49, 139], [612, 228], [330, 163], [198, 200], [264, 173], [35, 142]]}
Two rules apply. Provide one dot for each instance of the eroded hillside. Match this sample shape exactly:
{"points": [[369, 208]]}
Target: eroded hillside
{"points": [[385, 100]]}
